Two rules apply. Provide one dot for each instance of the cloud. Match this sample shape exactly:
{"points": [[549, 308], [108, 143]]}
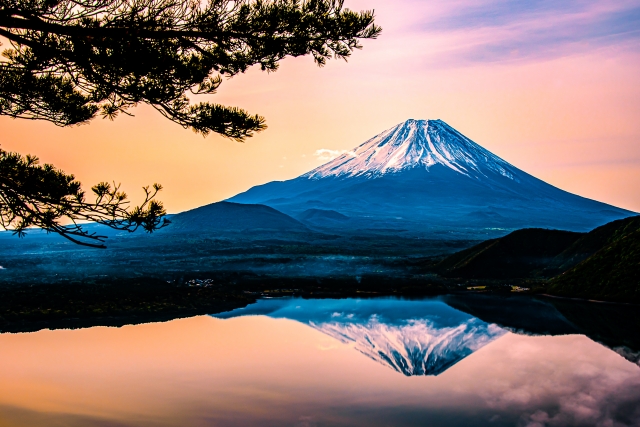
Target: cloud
{"points": [[557, 32], [458, 32], [327, 155], [588, 394]]}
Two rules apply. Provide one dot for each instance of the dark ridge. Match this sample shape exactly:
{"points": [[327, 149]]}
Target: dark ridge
{"points": [[519, 313], [227, 216], [321, 215], [520, 254], [611, 274], [603, 264], [595, 240]]}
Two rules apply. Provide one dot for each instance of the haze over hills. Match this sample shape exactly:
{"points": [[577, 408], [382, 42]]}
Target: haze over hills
{"points": [[423, 175]]}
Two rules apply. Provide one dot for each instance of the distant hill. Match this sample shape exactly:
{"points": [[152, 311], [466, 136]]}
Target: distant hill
{"points": [[593, 241], [517, 255], [611, 274], [233, 217], [322, 217], [603, 264]]}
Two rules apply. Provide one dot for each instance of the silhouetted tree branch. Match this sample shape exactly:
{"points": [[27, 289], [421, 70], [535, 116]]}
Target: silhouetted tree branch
{"points": [[74, 59], [34, 195]]}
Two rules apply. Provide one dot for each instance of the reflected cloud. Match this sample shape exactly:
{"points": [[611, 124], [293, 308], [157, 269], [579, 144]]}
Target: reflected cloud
{"points": [[586, 401], [411, 337]]}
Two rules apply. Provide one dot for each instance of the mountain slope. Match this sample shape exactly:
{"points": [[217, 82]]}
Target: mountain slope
{"points": [[603, 264], [517, 255], [233, 217], [593, 241], [421, 144], [611, 274], [424, 176]]}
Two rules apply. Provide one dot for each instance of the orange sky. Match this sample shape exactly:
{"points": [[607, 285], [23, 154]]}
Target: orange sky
{"points": [[552, 89]]}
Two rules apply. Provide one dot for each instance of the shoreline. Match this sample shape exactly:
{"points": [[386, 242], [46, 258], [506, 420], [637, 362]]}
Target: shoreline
{"points": [[118, 303], [589, 300]]}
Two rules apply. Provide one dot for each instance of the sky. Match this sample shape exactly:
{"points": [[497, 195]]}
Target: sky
{"points": [[551, 87]]}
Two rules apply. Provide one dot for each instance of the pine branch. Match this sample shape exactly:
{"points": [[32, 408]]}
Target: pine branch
{"points": [[34, 195]]}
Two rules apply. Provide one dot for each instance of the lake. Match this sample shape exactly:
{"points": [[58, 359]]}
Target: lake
{"points": [[446, 361]]}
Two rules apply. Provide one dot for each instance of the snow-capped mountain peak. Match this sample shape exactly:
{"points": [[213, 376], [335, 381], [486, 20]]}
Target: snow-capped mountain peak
{"points": [[423, 176], [415, 143]]}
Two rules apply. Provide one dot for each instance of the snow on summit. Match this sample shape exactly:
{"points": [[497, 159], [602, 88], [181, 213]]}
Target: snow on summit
{"points": [[415, 143]]}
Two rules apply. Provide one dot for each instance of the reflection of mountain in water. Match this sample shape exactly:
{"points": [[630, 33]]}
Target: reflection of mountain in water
{"points": [[412, 337], [416, 348]]}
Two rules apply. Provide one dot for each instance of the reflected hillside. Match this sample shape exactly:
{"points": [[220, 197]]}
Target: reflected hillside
{"points": [[613, 325], [412, 337]]}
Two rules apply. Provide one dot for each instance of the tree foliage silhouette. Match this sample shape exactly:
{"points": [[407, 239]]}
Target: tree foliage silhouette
{"points": [[74, 59], [43, 196], [70, 61]]}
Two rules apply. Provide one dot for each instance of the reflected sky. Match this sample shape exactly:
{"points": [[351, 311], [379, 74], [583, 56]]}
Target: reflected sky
{"points": [[261, 370]]}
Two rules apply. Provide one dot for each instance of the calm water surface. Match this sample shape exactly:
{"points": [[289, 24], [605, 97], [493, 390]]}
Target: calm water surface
{"points": [[296, 362]]}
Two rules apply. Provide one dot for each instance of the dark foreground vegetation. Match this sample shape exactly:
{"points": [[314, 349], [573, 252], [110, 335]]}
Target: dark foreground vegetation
{"points": [[31, 308]]}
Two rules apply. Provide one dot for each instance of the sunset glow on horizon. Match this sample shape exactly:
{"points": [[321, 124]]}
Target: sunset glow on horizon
{"points": [[553, 89]]}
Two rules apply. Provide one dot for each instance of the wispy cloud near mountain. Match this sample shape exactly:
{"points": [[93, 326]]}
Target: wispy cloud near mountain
{"points": [[326, 155]]}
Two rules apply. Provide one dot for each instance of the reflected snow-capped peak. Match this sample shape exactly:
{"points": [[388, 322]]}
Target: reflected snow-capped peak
{"points": [[414, 338], [415, 348]]}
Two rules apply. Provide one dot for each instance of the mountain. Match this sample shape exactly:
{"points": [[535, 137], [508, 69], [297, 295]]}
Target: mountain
{"points": [[411, 337], [233, 217], [424, 176]]}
